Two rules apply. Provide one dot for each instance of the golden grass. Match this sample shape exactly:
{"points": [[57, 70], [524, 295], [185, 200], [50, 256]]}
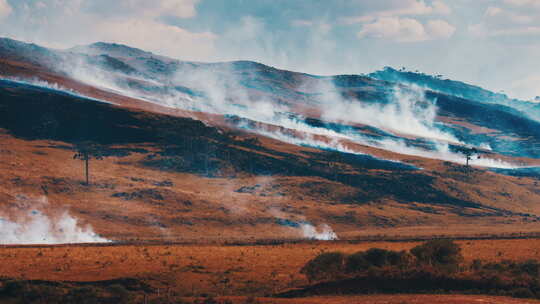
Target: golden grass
{"points": [[208, 269]]}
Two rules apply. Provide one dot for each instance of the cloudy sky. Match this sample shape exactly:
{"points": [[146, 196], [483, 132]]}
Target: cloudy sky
{"points": [[492, 43]]}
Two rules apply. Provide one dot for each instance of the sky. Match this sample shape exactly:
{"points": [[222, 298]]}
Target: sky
{"points": [[491, 43]]}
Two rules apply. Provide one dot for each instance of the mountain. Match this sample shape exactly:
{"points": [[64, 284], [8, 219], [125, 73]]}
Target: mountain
{"points": [[241, 150], [457, 88]]}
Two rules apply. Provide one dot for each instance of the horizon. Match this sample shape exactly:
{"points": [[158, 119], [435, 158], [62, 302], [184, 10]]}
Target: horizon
{"points": [[367, 74], [489, 43]]}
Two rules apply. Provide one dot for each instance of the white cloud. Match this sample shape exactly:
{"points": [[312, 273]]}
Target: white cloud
{"points": [[439, 29], [5, 9], [498, 15], [406, 29], [439, 7], [493, 11], [65, 23], [301, 22], [521, 18], [403, 8], [521, 31], [478, 30], [527, 88], [513, 18], [397, 29], [41, 5], [154, 8], [157, 37], [523, 3]]}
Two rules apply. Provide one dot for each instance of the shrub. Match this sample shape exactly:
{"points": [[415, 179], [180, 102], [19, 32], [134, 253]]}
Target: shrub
{"points": [[377, 258], [119, 294], [356, 262], [476, 265], [521, 293], [82, 295], [324, 267], [13, 288], [443, 254], [530, 267]]}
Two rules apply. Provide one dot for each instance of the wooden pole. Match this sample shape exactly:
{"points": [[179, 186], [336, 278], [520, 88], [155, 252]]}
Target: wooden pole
{"points": [[86, 162]]}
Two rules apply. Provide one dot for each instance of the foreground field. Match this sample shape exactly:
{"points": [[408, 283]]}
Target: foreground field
{"points": [[198, 270], [391, 299]]}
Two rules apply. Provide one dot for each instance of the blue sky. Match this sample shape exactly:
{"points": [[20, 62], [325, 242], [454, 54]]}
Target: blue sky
{"points": [[492, 43]]}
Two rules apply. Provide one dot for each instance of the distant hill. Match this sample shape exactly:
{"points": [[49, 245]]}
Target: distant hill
{"points": [[457, 88]]}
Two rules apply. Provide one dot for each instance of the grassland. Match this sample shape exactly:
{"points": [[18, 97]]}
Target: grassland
{"points": [[198, 270]]}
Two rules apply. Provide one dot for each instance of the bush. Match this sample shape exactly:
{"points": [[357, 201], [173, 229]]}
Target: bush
{"points": [[530, 267], [82, 295], [13, 288], [431, 267], [325, 267], [443, 254], [119, 294], [377, 258], [522, 293]]}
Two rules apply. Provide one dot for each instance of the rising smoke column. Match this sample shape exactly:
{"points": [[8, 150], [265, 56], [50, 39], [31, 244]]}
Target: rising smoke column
{"points": [[324, 233], [31, 225]]}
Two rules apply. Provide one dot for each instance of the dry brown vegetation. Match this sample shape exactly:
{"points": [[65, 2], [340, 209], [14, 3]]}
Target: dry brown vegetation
{"points": [[154, 187], [189, 270]]}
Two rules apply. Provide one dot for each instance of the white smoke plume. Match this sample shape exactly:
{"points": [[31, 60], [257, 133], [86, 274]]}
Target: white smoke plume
{"points": [[324, 233], [307, 230], [222, 91], [407, 113], [48, 85], [34, 225]]}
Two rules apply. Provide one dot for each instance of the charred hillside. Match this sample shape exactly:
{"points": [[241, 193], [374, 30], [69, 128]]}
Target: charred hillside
{"points": [[244, 149], [188, 146]]}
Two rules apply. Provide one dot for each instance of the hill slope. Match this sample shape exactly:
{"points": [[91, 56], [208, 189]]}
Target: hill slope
{"points": [[241, 150]]}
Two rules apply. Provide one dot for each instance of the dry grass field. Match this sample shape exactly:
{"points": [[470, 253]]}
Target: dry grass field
{"points": [[196, 270]]}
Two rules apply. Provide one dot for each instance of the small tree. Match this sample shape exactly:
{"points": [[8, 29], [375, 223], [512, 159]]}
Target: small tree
{"points": [[86, 151], [469, 153]]}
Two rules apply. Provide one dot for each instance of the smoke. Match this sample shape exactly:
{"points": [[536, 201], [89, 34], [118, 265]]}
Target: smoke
{"points": [[306, 229], [30, 224], [48, 85], [408, 112], [324, 233], [229, 89], [441, 151]]}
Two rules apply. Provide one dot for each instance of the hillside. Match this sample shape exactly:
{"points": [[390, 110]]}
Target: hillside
{"points": [[243, 151], [457, 88]]}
